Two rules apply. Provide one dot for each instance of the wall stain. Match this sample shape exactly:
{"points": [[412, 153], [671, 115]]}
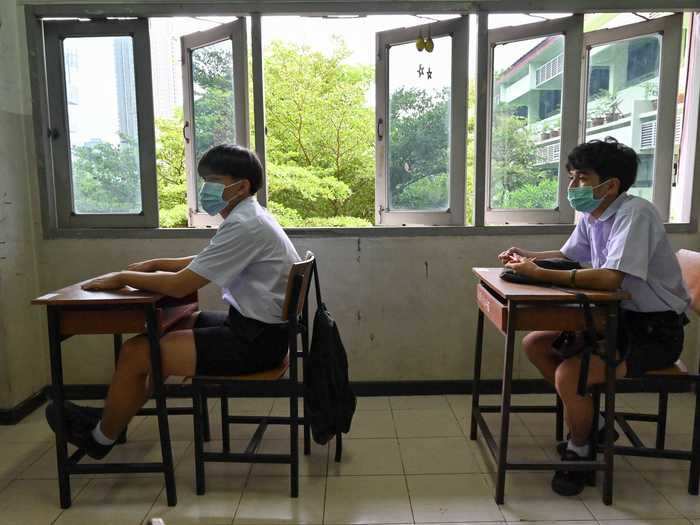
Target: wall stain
{"points": [[359, 315], [371, 337], [426, 270]]}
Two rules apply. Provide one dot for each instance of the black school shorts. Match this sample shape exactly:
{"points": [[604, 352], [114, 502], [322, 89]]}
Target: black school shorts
{"points": [[230, 344]]}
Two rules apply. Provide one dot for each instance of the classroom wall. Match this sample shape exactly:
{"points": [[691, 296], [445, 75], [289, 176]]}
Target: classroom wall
{"points": [[405, 305]]}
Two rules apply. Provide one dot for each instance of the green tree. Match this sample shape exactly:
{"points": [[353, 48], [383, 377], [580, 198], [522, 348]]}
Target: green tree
{"points": [[170, 168], [317, 117]]}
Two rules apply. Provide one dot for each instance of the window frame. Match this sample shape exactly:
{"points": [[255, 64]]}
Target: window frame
{"points": [[236, 32], [458, 30], [54, 32], [670, 29], [571, 28]]}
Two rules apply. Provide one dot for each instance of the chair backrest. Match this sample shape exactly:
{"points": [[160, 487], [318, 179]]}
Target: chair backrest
{"points": [[301, 270], [690, 267]]}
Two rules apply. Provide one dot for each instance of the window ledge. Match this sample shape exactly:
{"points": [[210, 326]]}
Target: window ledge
{"points": [[369, 232]]}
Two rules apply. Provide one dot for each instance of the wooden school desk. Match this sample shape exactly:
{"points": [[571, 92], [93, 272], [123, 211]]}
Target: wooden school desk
{"points": [[511, 307], [74, 311]]}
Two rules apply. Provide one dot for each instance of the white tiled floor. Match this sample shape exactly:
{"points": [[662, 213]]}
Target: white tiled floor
{"points": [[406, 460]]}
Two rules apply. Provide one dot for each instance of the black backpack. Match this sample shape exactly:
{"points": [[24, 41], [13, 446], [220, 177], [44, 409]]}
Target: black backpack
{"points": [[330, 402]]}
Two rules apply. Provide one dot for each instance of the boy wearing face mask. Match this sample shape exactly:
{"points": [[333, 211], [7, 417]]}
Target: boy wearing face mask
{"points": [[623, 238], [249, 258]]}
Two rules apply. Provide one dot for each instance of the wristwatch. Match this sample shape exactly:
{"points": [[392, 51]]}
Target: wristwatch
{"points": [[572, 278]]}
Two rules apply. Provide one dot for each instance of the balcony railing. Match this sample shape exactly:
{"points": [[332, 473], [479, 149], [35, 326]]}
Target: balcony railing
{"points": [[549, 70]]}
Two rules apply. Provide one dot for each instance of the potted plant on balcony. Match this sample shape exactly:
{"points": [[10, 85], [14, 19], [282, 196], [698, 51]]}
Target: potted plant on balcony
{"points": [[609, 106], [651, 92], [545, 132], [556, 129]]}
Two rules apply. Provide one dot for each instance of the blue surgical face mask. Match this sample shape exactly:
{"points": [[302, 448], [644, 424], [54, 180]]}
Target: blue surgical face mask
{"points": [[211, 196], [582, 198]]}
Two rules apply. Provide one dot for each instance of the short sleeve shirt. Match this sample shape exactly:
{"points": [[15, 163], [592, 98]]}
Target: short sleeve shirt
{"points": [[249, 257], [630, 237]]}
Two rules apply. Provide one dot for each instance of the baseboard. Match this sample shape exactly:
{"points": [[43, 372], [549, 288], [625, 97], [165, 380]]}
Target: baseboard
{"points": [[361, 388], [14, 415]]}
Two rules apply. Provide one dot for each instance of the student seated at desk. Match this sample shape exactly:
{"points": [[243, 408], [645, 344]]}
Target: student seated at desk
{"points": [[623, 238], [249, 257]]}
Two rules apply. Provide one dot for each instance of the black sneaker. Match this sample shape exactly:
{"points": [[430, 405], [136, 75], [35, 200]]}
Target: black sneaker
{"points": [[570, 482], [78, 425], [561, 446]]}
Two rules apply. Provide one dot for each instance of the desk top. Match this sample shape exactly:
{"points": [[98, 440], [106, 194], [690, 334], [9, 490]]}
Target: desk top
{"points": [[529, 292], [75, 295]]}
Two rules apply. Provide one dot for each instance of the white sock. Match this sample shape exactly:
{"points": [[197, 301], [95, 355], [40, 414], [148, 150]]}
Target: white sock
{"points": [[100, 437], [582, 451]]}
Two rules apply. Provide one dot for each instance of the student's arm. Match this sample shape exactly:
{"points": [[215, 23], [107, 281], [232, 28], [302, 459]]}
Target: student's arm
{"points": [[174, 284], [592, 279], [507, 256], [163, 265]]}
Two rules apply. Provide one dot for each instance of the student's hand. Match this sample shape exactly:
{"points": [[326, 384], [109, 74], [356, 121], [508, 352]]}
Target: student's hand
{"points": [[524, 266], [512, 255], [143, 266], [110, 281]]}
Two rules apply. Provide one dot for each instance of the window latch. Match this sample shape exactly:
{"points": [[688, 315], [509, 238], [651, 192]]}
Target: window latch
{"points": [[380, 129], [53, 133], [674, 177], [184, 132]]}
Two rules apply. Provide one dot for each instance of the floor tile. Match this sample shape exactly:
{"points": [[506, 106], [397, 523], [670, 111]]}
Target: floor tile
{"points": [[266, 500], [529, 497], [633, 498], [372, 424], [373, 403], [314, 464], [418, 402], [450, 498], [113, 501], [368, 457], [367, 499], [673, 485], [32, 428], [426, 423], [439, 456], [25, 502], [15, 458]]}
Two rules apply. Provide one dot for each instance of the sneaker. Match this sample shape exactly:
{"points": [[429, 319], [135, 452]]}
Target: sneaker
{"points": [[570, 483], [78, 425], [561, 446]]}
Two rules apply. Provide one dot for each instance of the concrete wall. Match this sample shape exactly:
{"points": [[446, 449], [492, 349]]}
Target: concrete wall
{"points": [[404, 305]]}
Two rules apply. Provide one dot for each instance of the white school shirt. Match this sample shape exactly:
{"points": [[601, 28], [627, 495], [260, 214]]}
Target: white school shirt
{"points": [[630, 237], [249, 257]]}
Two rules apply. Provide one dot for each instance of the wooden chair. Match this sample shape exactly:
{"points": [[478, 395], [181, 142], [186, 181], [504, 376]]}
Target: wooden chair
{"points": [[664, 381], [282, 381]]}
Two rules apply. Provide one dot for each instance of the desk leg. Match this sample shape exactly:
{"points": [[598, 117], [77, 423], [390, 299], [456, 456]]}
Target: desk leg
{"points": [[161, 408], [117, 348], [611, 346], [476, 381], [505, 406], [58, 400]]}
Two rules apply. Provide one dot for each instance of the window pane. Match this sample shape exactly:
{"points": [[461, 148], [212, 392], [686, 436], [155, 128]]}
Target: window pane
{"points": [[103, 125], [213, 105], [626, 110], [526, 123], [419, 126]]}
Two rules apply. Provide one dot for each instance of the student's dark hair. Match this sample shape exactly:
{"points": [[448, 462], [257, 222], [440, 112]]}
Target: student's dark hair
{"points": [[608, 158], [235, 161]]}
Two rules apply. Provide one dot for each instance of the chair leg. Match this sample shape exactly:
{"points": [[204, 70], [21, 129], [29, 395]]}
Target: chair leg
{"points": [[205, 418], [661, 421], [198, 443], [559, 431], [225, 429], [294, 444], [593, 442], [307, 432], [694, 478]]}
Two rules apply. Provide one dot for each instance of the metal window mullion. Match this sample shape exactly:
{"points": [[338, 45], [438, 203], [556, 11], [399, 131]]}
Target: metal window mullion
{"points": [[381, 73], [259, 102], [482, 120], [458, 122], [666, 115], [239, 40]]}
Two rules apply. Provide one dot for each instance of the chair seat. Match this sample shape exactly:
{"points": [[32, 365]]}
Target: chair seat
{"points": [[678, 369], [265, 375]]}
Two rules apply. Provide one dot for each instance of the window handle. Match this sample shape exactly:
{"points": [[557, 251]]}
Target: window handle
{"points": [[53, 133], [184, 132], [380, 129]]}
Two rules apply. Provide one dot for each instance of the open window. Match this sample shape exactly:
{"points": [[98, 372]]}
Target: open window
{"points": [[421, 115], [638, 104], [533, 103], [101, 123], [215, 100]]}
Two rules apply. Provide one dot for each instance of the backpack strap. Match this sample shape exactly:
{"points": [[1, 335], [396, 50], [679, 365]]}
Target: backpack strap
{"points": [[317, 286]]}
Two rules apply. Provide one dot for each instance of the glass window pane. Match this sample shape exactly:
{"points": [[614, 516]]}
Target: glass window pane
{"points": [[213, 104], [102, 124], [626, 110], [526, 123], [419, 126]]}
